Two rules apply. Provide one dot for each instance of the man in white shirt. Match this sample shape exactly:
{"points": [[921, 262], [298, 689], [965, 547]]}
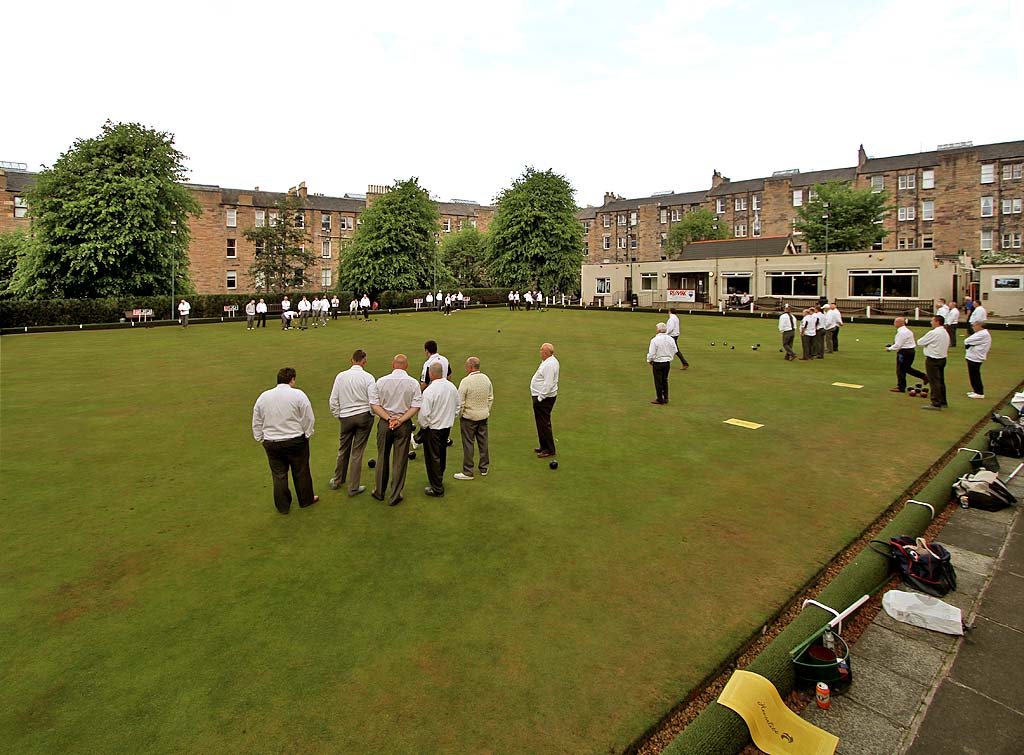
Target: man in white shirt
{"points": [[250, 314], [538, 299], [447, 304], [544, 391], [672, 331], [826, 327], [286, 318], [808, 331], [353, 308], [516, 300], [282, 420], [440, 405], [936, 351], [942, 310], [836, 318], [430, 349], [350, 403], [528, 298], [977, 345], [325, 308], [314, 311], [364, 306], [476, 395], [430, 300], [511, 301], [978, 314], [660, 353], [787, 327], [286, 304], [952, 320], [303, 307], [183, 309], [905, 348], [335, 306], [395, 399], [261, 314], [819, 332]]}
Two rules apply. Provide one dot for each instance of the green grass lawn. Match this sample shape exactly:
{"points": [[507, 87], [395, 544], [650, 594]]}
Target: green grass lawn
{"points": [[152, 600]]}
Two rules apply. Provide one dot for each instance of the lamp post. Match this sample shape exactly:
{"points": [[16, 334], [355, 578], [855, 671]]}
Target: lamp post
{"points": [[825, 217], [174, 261]]}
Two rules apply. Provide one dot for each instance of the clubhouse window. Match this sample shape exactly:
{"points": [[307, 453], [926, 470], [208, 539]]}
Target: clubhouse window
{"points": [[325, 222], [232, 252], [232, 280], [794, 283], [884, 283], [604, 285], [648, 281], [737, 283]]}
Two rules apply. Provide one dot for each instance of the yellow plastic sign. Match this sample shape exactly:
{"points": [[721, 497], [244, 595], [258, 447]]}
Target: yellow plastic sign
{"points": [[848, 385], [743, 423]]}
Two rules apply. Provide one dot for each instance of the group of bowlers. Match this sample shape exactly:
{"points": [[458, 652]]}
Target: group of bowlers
{"points": [[532, 300], [283, 422], [819, 331]]}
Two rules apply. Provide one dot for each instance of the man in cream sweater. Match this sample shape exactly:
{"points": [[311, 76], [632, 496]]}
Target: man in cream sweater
{"points": [[477, 395]]}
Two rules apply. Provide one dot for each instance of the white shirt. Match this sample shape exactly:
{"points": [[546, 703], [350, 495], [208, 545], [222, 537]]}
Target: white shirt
{"points": [[288, 314], [517, 296], [441, 403], [825, 319], [809, 324], [833, 319], [953, 318], [661, 349], [184, 308], [476, 395], [544, 383], [935, 342], [304, 305], [979, 314], [335, 302], [904, 339], [529, 297], [978, 345], [261, 307], [430, 360], [250, 308], [943, 312], [282, 413], [285, 304], [786, 322], [672, 326], [430, 298], [353, 305], [365, 302], [350, 395], [447, 300], [396, 393], [315, 305]]}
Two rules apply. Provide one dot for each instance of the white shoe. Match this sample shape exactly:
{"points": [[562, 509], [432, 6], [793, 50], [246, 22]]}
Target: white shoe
{"points": [[460, 476], [484, 472], [972, 394]]}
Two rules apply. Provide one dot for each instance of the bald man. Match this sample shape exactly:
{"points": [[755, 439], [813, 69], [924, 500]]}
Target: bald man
{"points": [[395, 399], [906, 349], [544, 390]]}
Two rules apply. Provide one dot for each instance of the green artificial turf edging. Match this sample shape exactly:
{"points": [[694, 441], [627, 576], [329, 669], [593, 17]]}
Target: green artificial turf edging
{"points": [[721, 731]]}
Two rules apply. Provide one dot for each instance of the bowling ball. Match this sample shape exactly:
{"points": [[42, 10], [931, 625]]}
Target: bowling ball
{"points": [[371, 463], [553, 465], [412, 454]]}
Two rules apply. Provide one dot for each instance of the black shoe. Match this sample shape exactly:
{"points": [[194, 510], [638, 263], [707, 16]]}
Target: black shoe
{"points": [[307, 505], [433, 493], [395, 503], [537, 450], [375, 496]]}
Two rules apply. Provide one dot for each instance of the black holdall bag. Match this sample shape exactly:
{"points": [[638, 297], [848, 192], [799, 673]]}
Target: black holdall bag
{"points": [[1007, 441], [924, 566], [983, 490]]}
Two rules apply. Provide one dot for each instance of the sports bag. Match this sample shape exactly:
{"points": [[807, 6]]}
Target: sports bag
{"points": [[1007, 441], [983, 490], [924, 566]]}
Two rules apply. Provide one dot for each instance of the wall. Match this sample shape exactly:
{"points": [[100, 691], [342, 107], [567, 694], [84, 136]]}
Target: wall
{"points": [[1005, 302]]}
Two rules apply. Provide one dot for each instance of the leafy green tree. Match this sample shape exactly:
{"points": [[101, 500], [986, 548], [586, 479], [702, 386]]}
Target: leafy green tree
{"points": [[852, 216], [13, 246], [700, 225], [104, 218], [282, 260], [464, 255], [395, 247], [535, 237]]}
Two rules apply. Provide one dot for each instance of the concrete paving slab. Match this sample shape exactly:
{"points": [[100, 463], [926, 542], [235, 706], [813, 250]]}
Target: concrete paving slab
{"points": [[941, 642], [968, 587], [912, 659], [982, 522], [962, 722], [964, 559], [1003, 601], [1013, 555], [989, 662], [886, 693], [968, 539], [861, 731]]}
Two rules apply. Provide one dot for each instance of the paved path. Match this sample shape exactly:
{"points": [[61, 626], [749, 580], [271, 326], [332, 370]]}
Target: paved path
{"points": [[917, 692]]}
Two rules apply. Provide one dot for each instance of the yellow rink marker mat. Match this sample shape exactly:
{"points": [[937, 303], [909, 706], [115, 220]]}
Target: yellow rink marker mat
{"points": [[774, 728], [848, 385], [743, 423]]}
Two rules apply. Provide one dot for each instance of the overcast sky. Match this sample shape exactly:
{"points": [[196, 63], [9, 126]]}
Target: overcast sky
{"points": [[632, 97]]}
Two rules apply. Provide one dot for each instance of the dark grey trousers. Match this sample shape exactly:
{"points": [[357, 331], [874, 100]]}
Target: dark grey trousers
{"points": [[355, 432], [394, 444], [474, 431], [787, 342]]}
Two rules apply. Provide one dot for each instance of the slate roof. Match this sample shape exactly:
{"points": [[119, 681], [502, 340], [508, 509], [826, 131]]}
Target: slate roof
{"points": [[17, 181], [459, 208], [737, 187], [664, 200], [763, 246], [1000, 151], [821, 176]]}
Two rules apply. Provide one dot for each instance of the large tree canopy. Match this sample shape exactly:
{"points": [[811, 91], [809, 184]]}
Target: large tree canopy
{"points": [[847, 216], [110, 218], [395, 247], [464, 254], [535, 238], [282, 260], [699, 225]]}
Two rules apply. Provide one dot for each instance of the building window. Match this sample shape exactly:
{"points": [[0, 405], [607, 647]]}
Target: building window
{"points": [[1011, 207], [632, 241], [621, 219], [898, 283], [664, 238], [927, 179], [987, 207], [232, 279], [737, 283], [345, 223], [325, 277], [741, 203], [325, 222], [273, 218], [986, 241], [606, 242], [325, 249], [586, 225], [606, 221], [232, 218], [927, 241], [664, 216], [677, 215], [261, 218], [741, 230], [719, 206], [905, 181], [906, 213], [648, 281], [261, 247], [472, 222], [20, 207], [798, 198], [1011, 240], [755, 202], [928, 210], [1013, 171], [876, 246], [877, 183], [604, 285], [756, 229], [300, 219], [905, 242], [988, 173], [622, 242], [446, 225], [794, 283], [632, 218], [231, 251]]}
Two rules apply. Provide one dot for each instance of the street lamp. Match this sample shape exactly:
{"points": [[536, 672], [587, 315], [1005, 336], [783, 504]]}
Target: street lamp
{"points": [[825, 217], [174, 262]]}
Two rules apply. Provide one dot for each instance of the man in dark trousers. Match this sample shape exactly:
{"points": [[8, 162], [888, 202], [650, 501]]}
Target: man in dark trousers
{"points": [[395, 399], [787, 326], [660, 353], [672, 331], [437, 415], [905, 347], [350, 403], [544, 391], [282, 420], [936, 350]]}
